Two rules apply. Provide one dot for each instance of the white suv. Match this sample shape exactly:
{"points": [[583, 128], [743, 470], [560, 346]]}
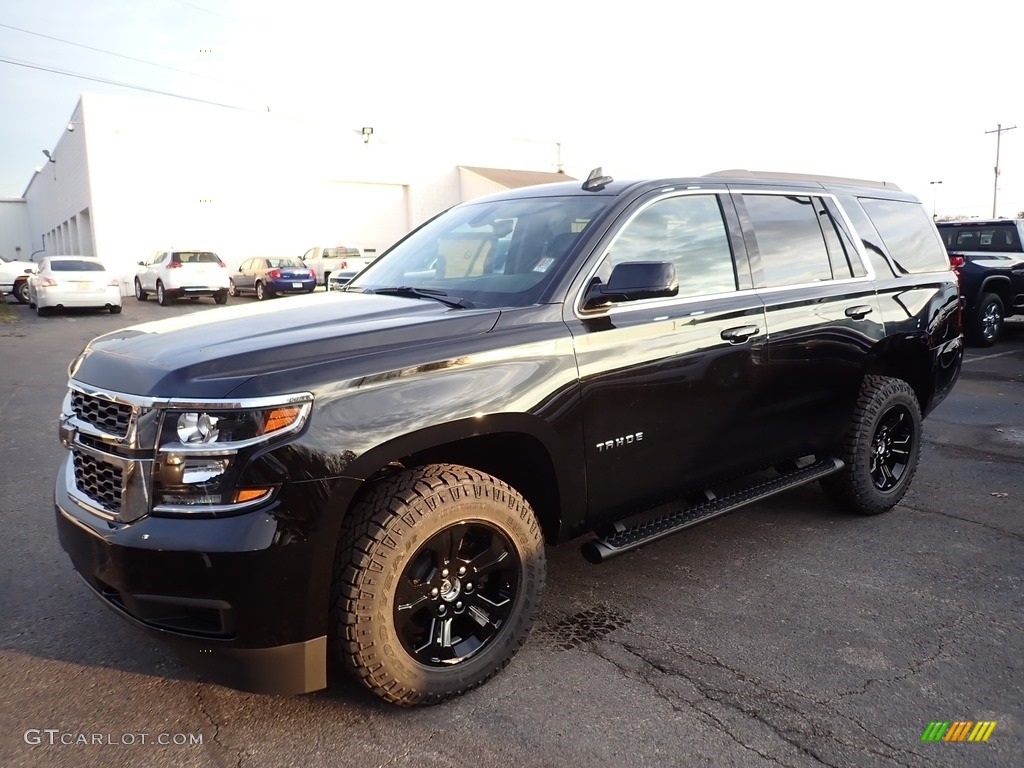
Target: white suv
{"points": [[173, 274]]}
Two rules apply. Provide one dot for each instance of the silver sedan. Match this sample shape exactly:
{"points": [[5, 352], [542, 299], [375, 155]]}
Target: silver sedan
{"points": [[73, 281]]}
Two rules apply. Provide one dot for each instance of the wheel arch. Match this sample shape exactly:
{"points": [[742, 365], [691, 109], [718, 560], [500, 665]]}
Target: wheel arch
{"points": [[999, 285], [515, 448], [908, 358]]}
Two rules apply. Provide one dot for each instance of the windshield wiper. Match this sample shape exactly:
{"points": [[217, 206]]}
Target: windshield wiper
{"points": [[423, 293]]}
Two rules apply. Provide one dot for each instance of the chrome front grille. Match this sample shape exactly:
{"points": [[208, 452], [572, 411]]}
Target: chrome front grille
{"points": [[99, 480], [107, 416]]}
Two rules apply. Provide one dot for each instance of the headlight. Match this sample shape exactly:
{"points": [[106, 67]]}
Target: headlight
{"points": [[228, 430], [203, 449]]}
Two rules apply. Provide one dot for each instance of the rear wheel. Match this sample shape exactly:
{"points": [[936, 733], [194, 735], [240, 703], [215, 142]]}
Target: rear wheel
{"points": [[437, 582], [115, 309], [260, 292], [162, 296], [880, 450], [140, 294], [987, 321], [221, 297], [21, 292]]}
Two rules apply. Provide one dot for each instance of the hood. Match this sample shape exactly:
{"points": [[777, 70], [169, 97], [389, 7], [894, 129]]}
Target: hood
{"points": [[209, 354]]}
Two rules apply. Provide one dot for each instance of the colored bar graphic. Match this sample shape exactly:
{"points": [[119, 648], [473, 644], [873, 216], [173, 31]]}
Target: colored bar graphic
{"points": [[958, 730], [935, 731]]}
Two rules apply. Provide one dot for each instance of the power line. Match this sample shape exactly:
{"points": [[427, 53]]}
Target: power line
{"points": [[66, 73], [110, 53]]}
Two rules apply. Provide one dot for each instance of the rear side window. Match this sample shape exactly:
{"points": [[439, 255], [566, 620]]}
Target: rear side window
{"points": [[789, 239], [908, 234]]}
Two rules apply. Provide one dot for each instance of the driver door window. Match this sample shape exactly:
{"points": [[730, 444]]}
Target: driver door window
{"points": [[686, 231]]}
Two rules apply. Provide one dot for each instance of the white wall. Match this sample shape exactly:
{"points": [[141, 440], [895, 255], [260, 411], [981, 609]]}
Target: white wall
{"points": [[15, 234], [137, 176], [59, 192]]}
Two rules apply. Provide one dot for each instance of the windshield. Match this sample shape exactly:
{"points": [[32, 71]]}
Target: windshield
{"points": [[289, 263], [496, 254]]}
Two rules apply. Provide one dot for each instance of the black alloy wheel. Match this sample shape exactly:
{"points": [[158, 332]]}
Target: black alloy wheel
{"points": [[891, 448], [456, 593]]}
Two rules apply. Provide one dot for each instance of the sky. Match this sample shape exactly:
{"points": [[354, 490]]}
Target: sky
{"points": [[903, 90]]}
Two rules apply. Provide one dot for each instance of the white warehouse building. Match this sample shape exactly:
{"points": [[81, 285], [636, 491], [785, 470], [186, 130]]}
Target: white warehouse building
{"points": [[129, 177]]}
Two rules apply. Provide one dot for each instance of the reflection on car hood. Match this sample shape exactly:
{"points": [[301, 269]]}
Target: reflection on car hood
{"points": [[211, 353]]}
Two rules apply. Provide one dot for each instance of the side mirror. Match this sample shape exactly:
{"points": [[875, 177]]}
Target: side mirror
{"points": [[141, 263], [632, 281], [239, 269]]}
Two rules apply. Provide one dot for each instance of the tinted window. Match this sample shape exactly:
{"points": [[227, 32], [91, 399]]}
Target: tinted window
{"points": [[496, 253], [789, 239], [196, 257], [836, 222], [686, 231], [289, 263], [75, 265], [908, 233], [986, 238]]}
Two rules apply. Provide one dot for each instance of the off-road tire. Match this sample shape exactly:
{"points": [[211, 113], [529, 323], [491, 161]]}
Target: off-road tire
{"points": [[140, 294], [986, 324], [387, 534], [870, 444]]}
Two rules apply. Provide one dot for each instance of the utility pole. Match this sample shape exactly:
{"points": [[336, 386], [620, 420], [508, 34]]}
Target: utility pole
{"points": [[999, 131]]}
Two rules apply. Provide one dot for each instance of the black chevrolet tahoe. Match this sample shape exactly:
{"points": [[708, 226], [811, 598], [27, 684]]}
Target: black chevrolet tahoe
{"points": [[988, 257], [368, 479]]}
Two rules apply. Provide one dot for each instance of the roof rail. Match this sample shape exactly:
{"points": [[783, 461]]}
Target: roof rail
{"points": [[742, 173]]}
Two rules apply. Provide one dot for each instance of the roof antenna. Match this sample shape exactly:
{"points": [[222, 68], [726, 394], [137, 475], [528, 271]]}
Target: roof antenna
{"points": [[595, 181]]}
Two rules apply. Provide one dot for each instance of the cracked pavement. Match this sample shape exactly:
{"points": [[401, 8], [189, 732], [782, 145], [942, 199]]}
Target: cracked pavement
{"points": [[785, 634]]}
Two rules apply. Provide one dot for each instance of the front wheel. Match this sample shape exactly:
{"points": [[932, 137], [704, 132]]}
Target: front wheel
{"points": [[437, 582], [232, 290], [881, 448], [21, 292], [987, 322]]}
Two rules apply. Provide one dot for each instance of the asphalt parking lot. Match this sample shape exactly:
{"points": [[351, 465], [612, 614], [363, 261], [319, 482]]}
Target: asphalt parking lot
{"points": [[783, 635]]}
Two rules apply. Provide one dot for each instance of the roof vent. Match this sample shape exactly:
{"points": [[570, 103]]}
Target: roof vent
{"points": [[596, 181]]}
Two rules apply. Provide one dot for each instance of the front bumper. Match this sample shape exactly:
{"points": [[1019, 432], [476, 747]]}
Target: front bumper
{"points": [[232, 596]]}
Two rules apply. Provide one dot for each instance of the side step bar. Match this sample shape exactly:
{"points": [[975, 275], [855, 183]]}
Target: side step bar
{"points": [[626, 539]]}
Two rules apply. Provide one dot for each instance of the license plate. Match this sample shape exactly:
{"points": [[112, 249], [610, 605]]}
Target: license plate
{"points": [[84, 286], [296, 285]]}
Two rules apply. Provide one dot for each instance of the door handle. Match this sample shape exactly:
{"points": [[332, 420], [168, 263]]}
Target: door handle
{"points": [[859, 312], [740, 333]]}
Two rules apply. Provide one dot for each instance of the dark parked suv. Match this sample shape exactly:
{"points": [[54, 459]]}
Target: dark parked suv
{"points": [[989, 259], [369, 479]]}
